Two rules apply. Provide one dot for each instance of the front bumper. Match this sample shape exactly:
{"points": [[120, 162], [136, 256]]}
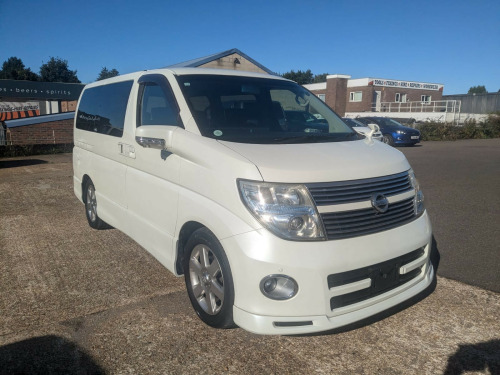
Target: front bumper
{"points": [[405, 139], [290, 325], [257, 254]]}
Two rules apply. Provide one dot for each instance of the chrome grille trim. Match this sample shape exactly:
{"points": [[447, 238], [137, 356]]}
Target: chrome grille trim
{"points": [[347, 224], [329, 193]]}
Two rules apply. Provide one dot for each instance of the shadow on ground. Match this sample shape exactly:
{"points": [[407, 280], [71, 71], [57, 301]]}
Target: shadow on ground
{"points": [[475, 357], [20, 163], [46, 355]]}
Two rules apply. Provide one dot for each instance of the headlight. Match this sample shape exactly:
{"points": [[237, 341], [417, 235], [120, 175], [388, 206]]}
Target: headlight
{"points": [[418, 201], [400, 131], [287, 210]]}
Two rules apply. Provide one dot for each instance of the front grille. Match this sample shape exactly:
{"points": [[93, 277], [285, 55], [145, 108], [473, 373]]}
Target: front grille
{"points": [[384, 277], [355, 223], [329, 193]]}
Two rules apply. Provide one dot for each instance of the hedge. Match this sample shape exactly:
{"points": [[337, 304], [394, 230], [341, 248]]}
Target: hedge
{"points": [[436, 131]]}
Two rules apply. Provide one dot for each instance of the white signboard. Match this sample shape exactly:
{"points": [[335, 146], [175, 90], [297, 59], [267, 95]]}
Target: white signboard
{"points": [[406, 84], [19, 106]]}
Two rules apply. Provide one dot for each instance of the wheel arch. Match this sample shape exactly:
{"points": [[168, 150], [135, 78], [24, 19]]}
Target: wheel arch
{"points": [[186, 231], [85, 180], [196, 211]]}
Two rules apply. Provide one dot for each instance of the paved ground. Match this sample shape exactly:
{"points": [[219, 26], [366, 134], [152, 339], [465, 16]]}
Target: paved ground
{"points": [[76, 300], [461, 184]]}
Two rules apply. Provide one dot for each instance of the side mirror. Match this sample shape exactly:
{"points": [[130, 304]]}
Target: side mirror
{"points": [[375, 128], [155, 136]]}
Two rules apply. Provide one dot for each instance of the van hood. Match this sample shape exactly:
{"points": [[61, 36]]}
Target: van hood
{"points": [[322, 162]]}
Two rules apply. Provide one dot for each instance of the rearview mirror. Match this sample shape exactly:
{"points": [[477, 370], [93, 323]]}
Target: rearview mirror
{"points": [[155, 136], [375, 128]]}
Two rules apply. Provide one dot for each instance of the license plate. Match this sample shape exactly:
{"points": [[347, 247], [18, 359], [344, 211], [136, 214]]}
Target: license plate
{"points": [[414, 137]]}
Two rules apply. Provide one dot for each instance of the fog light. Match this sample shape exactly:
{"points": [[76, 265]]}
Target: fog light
{"points": [[279, 287]]}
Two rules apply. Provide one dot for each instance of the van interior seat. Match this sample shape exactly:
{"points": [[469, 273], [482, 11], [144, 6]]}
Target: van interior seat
{"points": [[243, 115], [160, 116]]}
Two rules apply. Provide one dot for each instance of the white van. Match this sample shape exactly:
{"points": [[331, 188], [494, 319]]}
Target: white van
{"points": [[279, 225]]}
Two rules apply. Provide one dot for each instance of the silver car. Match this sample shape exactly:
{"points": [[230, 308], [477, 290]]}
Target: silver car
{"points": [[361, 128]]}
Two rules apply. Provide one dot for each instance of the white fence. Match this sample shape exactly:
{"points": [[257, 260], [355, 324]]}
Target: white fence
{"points": [[437, 110], [446, 106]]}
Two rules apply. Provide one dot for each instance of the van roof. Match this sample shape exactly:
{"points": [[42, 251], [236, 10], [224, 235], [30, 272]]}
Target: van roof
{"points": [[226, 72], [185, 71]]}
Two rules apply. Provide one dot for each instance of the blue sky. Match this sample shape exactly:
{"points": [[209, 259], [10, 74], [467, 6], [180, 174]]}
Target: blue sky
{"points": [[456, 43]]}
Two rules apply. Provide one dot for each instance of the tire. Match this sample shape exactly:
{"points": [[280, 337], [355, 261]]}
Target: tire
{"points": [[91, 207], [208, 279], [388, 140]]}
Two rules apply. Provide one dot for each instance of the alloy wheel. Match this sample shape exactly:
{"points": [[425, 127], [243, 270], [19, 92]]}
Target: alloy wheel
{"points": [[91, 203], [207, 281]]}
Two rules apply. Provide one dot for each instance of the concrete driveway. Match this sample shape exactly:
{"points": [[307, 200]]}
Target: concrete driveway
{"points": [[76, 300]]}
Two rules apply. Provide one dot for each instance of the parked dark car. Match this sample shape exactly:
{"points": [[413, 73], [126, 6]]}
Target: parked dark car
{"points": [[394, 133], [303, 121]]}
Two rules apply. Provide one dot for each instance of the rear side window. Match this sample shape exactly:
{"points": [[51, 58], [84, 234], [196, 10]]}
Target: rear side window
{"points": [[102, 108]]}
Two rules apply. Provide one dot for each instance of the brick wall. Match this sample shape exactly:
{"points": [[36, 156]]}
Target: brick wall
{"points": [[335, 94], [365, 104], [317, 92], [55, 132], [388, 94]]}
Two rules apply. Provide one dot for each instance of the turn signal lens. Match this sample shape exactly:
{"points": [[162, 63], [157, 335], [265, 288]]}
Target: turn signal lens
{"points": [[418, 201]]}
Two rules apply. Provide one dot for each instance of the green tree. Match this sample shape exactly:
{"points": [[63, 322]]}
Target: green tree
{"points": [[105, 73], [57, 70], [13, 68], [318, 78], [302, 78], [477, 90]]}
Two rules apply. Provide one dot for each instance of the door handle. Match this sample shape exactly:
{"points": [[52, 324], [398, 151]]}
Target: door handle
{"points": [[126, 150], [131, 152]]}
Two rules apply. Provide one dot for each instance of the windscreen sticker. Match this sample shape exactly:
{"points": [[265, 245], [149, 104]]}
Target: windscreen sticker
{"points": [[217, 133]]}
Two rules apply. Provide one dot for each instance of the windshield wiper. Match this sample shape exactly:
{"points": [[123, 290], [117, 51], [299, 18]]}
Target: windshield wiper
{"points": [[309, 138], [302, 138]]}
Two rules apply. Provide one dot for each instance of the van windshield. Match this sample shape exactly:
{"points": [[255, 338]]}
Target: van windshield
{"points": [[260, 110]]}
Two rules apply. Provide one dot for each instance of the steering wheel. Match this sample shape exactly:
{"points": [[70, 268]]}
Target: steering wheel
{"points": [[305, 101]]}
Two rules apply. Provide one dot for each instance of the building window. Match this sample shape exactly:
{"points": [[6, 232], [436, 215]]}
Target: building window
{"points": [[321, 96], [400, 98], [425, 99], [356, 96]]}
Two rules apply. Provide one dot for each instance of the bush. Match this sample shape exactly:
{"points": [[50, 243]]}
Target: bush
{"points": [[492, 125], [436, 131]]}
